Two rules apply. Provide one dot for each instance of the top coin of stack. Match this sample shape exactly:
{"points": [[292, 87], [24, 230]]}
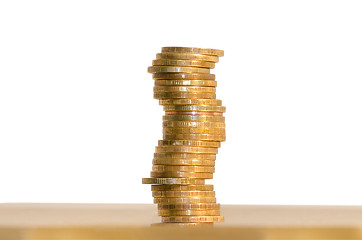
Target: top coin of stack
{"points": [[193, 128]]}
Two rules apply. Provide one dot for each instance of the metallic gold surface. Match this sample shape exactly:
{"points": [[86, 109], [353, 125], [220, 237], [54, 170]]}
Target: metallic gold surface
{"points": [[200, 83], [188, 143], [206, 51], [182, 187], [183, 63], [193, 127], [193, 219], [189, 76], [188, 56], [214, 102], [172, 69]]}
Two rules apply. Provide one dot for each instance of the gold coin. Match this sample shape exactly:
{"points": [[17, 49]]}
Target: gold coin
{"points": [[206, 108], [188, 56], [197, 219], [195, 206], [214, 102], [167, 168], [184, 200], [204, 83], [200, 130], [162, 95], [188, 143], [186, 149], [183, 194], [188, 212], [184, 162], [206, 51], [182, 187], [182, 181], [199, 156], [190, 76], [193, 113], [181, 175], [189, 124], [193, 118], [155, 69], [185, 225], [183, 89], [183, 63], [204, 137]]}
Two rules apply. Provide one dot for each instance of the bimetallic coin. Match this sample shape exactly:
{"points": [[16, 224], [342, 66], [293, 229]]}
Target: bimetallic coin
{"points": [[184, 200], [182, 188], [168, 168], [184, 162], [182, 63], [214, 102], [206, 108], [188, 143], [199, 156], [168, 69], [183, 194], [193, 118], [163, 95], [188, 56], [200, 130], [195, 206], [202, 83], [181, 175], [190, 124], [191, 76], [190, 89], [205, 137], [209, 212], [206, 51], [197, 219], [182, 181], [186, 149]]}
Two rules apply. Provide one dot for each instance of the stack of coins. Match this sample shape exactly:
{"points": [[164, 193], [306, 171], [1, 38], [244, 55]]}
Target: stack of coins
{"points": [[193, 127]]}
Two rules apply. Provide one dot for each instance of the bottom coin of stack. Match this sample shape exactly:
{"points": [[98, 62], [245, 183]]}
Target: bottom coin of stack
{"points": [[193, 127]]}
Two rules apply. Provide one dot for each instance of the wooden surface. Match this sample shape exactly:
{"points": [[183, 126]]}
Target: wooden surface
{"points": [[133, 221]]}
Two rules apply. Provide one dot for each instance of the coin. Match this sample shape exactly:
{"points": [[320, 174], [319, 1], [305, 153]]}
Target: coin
{"points": [[188, 142], [190, 124], [183, 63], [162, 95], [184, 225], [167, 168], [182, 187], [194, 113], [204, 83], [206, 51], [184, 200], [181, 175], [193, 118], [183, 194], [186, 149], [197, 219], [188, 56], [205, 137], [189, 89], [190, 76], [188, 212], [194, 206], [184, 162], [215, 102], [182, 181], [170, 69], [207, 108], [199, 130], [199, 156]]}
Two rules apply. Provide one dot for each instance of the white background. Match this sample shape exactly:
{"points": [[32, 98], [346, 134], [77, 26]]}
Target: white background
{"points": [[78, 122]]}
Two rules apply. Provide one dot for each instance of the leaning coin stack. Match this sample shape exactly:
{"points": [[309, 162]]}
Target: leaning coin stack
{"points": [[193, 127]]}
